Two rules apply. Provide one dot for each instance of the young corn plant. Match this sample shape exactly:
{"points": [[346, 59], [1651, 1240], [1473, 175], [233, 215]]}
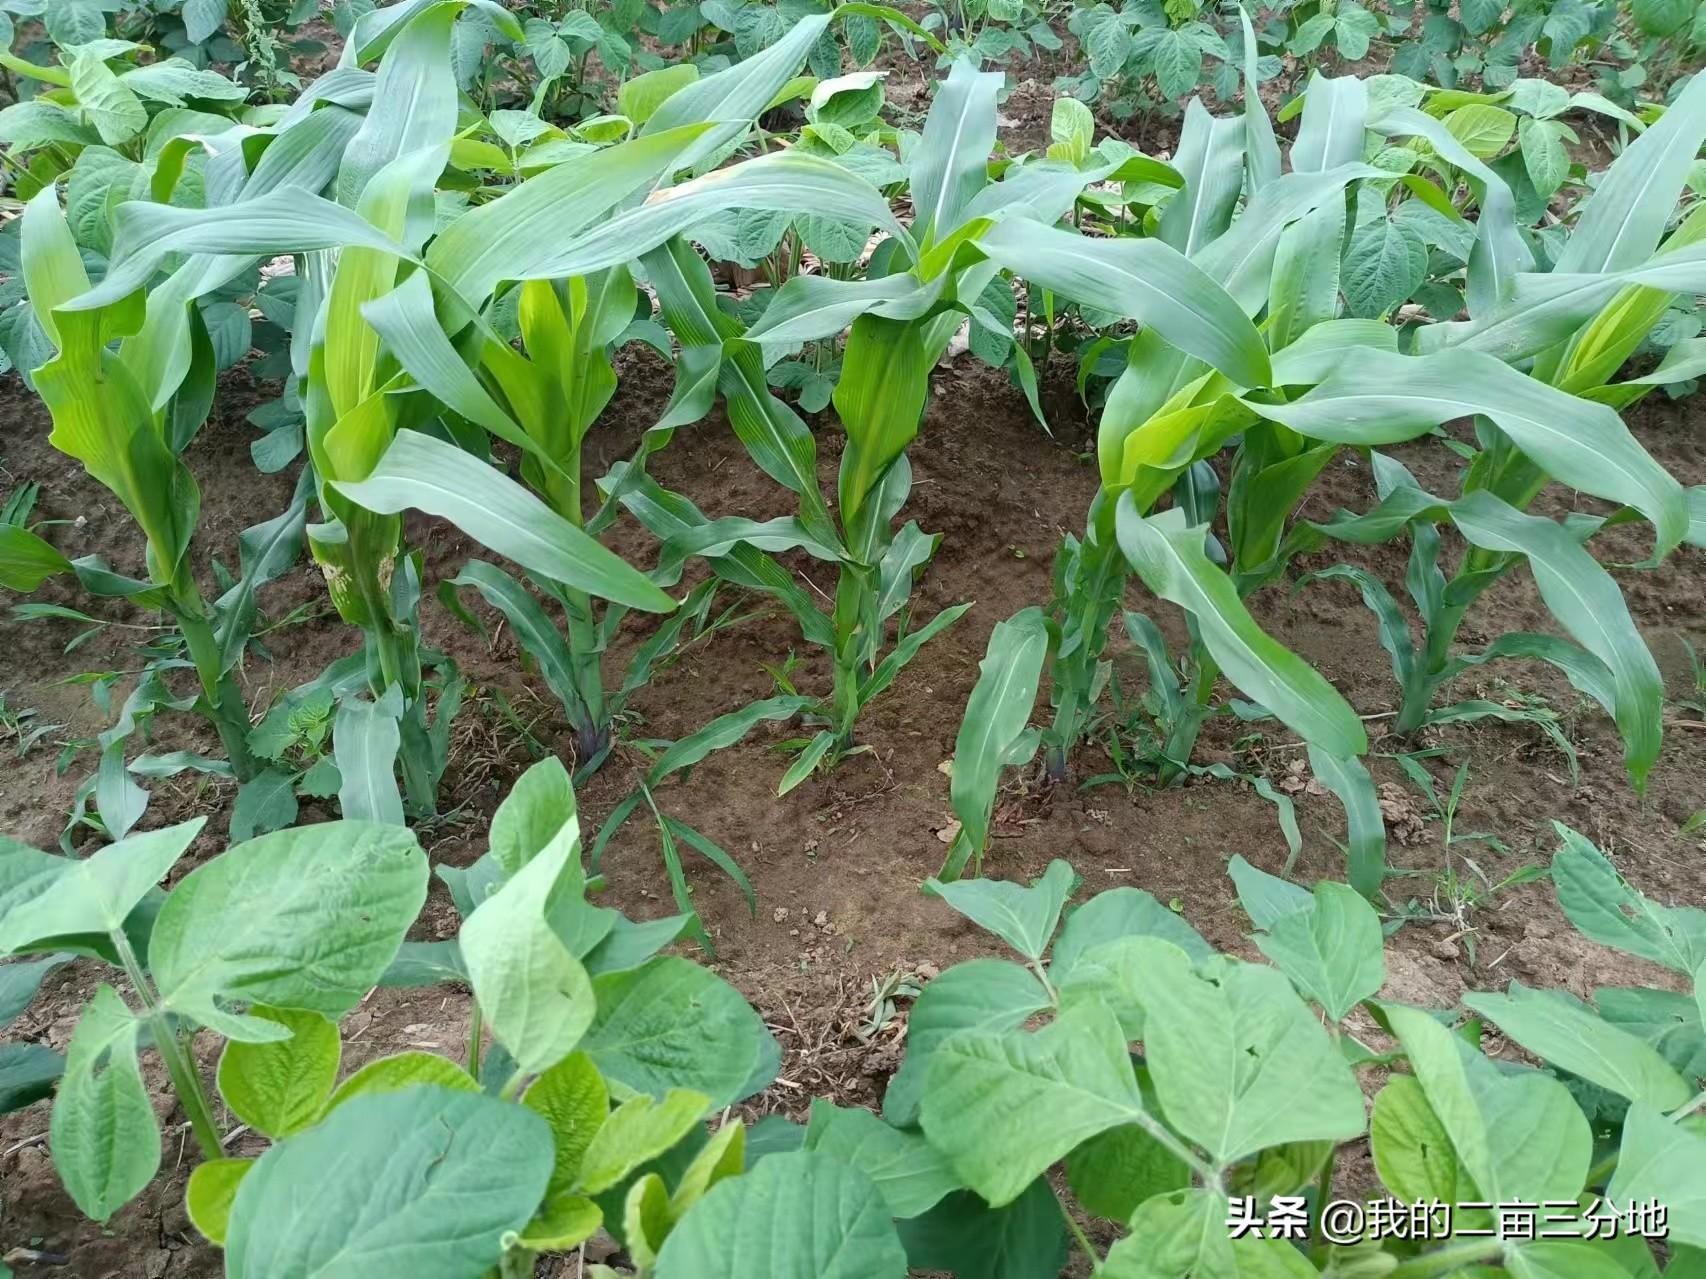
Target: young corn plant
{"points": [[1556, 422], [921, 284], [367, 420], [1282, 255], [126, 415]]}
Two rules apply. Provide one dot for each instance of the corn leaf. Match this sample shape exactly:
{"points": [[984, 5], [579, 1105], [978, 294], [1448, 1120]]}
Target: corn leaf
{"points": [[1169, 556], [424, 473]]}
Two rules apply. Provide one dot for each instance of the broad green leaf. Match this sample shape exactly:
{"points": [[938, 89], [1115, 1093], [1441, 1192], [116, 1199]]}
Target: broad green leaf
{"points": [[640, 98], [1171, 560], [279, 1088], [1239, 1062], [534, 993], [639, 1130], [427, 474], [1483, 129], [987, 995], [911, 1174], [1562, 1032], [424, 1182], [565, 1222], [1412, 1150], [1332, 952], [1117, 913], [536, 811], [573, 1100], [306, 918], [102, 1133], [1607, 910], [1115, 1171], [965, 1236], [1183, 1235], [796, 1216], [1662, 1160], [112, 107], [1266, 898], [1024, 918], [400, 1071], [210, 1193], [1004, 1107], [28, 1072], [95, 894], [1140, 279], [1555, 1259], [1520, 1137], [671, 1024], [266, 802], [1384, 263], [20, 979]]}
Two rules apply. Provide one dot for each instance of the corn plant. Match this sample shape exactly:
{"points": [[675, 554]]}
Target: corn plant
{"points": [[898, 321], [1167, 412], [1612, 281]]}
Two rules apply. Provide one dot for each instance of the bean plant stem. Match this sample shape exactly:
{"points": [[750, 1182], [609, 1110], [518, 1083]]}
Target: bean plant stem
{"points": [[1205, 1171], [476, 1037], [1442, 1261], [1079, 1235], [180, 1068], [1683, 1112]]}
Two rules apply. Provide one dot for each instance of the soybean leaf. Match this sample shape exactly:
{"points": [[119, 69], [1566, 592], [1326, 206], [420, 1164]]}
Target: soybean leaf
{"points": [[307, 918], [1117, 913], [1240, 1064], [1662, 1160], [1607, 910], [805, 1215], [1556, 1028], [670, 1023], [991, 995], [279, 1088], [533, 991], [1024, 918], [102, 1133], [1519, 1136], [97, 893], [1331, 951], [1004, 1107], [424, 1182], [911, 1175]]}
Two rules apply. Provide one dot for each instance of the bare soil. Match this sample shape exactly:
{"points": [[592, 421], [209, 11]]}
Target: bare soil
{"points": [[838, 863]]}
